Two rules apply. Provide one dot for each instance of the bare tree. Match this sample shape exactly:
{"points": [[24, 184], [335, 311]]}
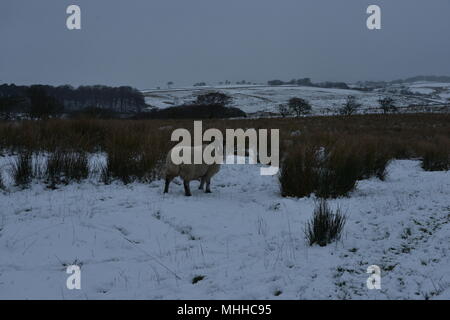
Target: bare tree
{"points": [[350, 106], [284, 110], [299, 106], [387, 104], [218, 98]]}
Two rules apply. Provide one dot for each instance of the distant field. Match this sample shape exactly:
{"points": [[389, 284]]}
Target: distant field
{"points": [[262, 98]]}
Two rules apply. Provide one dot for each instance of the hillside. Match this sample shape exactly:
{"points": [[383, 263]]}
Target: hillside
{"points": [[262, 98]]}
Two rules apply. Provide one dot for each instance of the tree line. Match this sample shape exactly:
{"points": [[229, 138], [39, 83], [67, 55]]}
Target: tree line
{"points": [[299, 107], [45, 101], [308, 83]]}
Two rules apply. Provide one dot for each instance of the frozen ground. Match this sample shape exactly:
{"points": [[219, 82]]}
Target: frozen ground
{"points": [[261, 98], [244, 240]]}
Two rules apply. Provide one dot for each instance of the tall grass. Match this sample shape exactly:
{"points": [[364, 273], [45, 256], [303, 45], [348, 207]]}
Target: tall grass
{"points": [[325, 226], [22, 169], [2, 183], [134, 158], [332, 170], [64, 167], [436, 154], [356, 147]]}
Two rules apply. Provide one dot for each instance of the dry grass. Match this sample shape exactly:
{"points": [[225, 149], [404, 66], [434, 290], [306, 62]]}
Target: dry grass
{"points": [[22, 169], [356, 146], [330, 168], [64, 167], [325, 226]]}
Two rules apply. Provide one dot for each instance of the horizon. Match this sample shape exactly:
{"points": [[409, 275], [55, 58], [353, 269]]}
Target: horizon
{"points": [[216, 83]]}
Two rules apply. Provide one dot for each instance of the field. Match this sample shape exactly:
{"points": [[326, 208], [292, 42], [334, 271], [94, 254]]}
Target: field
{"points": [[104, 210], [257, 99]]}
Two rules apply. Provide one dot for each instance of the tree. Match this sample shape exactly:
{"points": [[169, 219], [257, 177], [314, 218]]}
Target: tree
{"points": [[218, 98], [8, 106], [299, 106], [387, 104], [275, 83], [304, 82], [350, 106], [170, 83], [41, 104], [284, 110]]}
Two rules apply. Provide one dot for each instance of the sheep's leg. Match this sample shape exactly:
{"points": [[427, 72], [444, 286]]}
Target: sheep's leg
{"points": [[168, 180], [202, 183], [187, 190], [208, 182]]}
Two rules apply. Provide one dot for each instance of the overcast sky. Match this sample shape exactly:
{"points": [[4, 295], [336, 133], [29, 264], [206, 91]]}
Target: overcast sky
{"points": [[146, 43]]}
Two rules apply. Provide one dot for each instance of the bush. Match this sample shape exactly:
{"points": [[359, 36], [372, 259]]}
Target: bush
{"points": [[325, 226], [63, 167], [22, 169]]}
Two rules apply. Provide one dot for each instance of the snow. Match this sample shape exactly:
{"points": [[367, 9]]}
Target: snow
{"points": [[263, 98], [420, 84], [247, 241], [422, 90]]}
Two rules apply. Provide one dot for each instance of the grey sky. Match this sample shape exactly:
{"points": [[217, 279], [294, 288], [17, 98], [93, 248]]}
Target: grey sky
{"points": [[147, 43]]}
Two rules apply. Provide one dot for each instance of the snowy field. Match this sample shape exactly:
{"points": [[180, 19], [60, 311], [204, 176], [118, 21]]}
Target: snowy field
{"points": [[261, 98], [243, 241]]}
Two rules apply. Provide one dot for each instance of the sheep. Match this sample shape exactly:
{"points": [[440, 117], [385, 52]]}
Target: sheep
{"points": [[189, 172]]}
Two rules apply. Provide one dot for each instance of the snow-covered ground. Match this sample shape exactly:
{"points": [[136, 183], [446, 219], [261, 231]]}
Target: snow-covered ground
{"points": [[261, 98], [244, 239]]}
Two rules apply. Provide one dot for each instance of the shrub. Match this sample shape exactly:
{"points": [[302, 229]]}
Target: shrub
{"points": [[22, 169], [325, 226]]}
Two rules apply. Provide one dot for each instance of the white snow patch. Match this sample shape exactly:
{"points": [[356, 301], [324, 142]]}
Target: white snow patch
{"points": [[246, 240]]}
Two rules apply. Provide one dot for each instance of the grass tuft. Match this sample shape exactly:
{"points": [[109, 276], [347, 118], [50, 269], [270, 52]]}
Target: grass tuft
{"points": [[325, 226], [22, 169]]}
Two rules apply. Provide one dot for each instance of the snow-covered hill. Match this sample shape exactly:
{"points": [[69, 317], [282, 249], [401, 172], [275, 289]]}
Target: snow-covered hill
{"points": [[261, 98], [243, 241]]}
